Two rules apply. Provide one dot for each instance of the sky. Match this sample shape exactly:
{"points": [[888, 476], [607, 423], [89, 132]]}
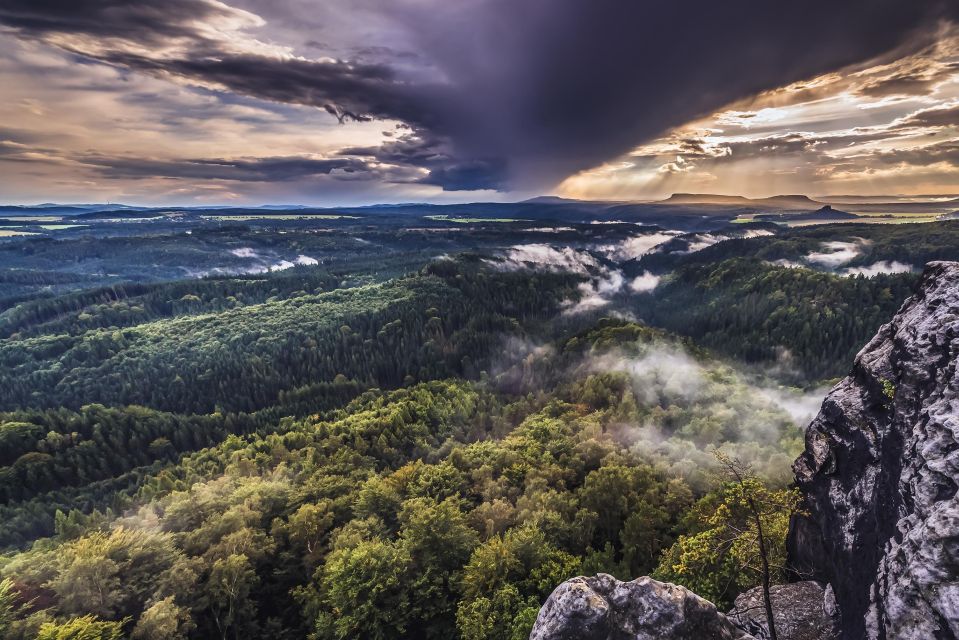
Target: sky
{"points": [[336, 102]]}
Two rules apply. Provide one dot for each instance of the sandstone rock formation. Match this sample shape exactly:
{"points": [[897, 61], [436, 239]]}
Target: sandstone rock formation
{"points": [[602, 608], [880, 474], [802, 611]]}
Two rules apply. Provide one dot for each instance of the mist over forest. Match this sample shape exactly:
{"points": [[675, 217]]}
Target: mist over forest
{"points": [[378, 424]]}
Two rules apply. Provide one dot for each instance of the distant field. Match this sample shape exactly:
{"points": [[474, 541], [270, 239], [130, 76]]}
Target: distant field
{"points": [[33, 218], [9, 233], [895, 218], [284, 216], [899, 217], [867, 218], [464, 220]]}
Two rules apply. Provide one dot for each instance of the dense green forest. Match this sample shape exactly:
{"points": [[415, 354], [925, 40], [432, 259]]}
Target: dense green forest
{"points": [[806, 324], [445, 507], [240, 359], [369, 427]]}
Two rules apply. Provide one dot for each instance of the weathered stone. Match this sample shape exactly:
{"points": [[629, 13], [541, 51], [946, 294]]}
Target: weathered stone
{"points": [[800, 610], [604, 608], [880, 472]]}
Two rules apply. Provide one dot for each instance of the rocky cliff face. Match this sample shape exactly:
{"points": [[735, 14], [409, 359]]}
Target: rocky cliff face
{"points": [[880, 474]]}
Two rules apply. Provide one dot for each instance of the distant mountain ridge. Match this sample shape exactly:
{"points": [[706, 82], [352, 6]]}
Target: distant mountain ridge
{"points": [[50, 209], [693, 210], [789, 201]]}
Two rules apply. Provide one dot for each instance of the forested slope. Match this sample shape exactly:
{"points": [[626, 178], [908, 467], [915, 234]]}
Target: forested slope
{"points": [[422, 327], [447, 508], [808, 324], [94, 410]]}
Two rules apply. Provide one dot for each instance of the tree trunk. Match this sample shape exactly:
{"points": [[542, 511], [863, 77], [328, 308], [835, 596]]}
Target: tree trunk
{"points": [[767, 602]]}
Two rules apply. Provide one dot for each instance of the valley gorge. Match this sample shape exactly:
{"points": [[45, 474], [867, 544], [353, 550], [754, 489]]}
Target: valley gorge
{"points": [[875, 550]]}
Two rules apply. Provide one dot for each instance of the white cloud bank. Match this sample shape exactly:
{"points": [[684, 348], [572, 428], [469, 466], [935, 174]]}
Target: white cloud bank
{"points": [[644, 283], [700, 241], [836, 254], [789, 264], [876, 268], [546, 256], [637, 246], [264, 263], [596, 293]]}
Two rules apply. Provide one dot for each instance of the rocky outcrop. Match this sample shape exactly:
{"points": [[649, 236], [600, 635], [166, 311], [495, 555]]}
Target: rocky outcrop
{"points": [[880, 472], [603, 608], [802, 611]]}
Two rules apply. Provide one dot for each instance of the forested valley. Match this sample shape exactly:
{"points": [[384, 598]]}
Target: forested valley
{"points": [[405, 432]]}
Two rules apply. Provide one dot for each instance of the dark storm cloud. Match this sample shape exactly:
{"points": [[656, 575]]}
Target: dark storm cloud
{"points": [[434, 156], [142, 21], [911, 83], [947, 152], [346, 91], [468, 175], [244, 170], [526, 92], [946, 115], [556, 86], [916, 78], [120, 28]]}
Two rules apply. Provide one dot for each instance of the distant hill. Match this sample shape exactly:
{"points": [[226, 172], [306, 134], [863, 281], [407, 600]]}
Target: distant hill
{"points": [[557, 200], [776, 202], [705, 198], [43, 210], [791, 201], [52, 209], [550, 200]]}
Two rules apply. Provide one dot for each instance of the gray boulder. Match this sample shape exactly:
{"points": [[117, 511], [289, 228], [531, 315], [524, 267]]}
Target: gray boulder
{"points": [[802, 611], [604, 608]]}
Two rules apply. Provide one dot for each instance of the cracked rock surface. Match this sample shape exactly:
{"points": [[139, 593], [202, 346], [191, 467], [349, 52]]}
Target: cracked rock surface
{"points": [[880, 473]]}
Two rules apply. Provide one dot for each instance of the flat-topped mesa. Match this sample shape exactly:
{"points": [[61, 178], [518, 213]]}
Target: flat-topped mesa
{"points": [[880, 473]]}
